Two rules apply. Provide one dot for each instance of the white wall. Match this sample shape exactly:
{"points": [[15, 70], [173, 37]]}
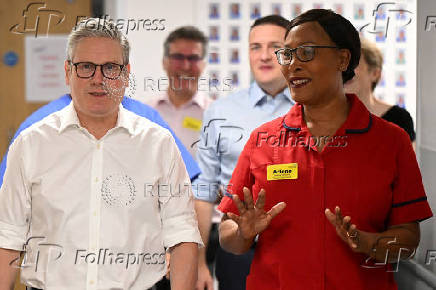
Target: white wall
{"points": [[426, 118], [147, 46]]}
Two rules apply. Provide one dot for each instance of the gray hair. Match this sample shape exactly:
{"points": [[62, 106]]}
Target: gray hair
{"points": [[97, 27]]}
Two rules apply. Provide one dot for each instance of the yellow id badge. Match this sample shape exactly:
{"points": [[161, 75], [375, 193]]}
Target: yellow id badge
{"points": [[282, 171], [192, 123]]}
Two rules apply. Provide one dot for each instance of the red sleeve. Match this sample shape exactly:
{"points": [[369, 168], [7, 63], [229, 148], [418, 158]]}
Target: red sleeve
{"points": [[241, 177], [409, 199]]}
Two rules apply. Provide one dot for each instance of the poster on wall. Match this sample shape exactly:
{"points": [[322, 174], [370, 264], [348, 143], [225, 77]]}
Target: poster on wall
{"points": [[391, 25], [44, 67]]}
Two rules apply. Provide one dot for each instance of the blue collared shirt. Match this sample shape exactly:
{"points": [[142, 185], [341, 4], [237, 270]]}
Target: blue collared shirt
{"points": [[130, 104], [227, 125]]}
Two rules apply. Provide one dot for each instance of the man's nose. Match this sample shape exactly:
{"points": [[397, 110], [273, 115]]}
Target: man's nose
{"points": [[266, 54], [98, 75], [186, 64]]}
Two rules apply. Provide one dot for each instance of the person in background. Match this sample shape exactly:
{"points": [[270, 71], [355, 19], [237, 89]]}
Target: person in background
{"points": [[333, 193], [368, 74], [228, 123], [182, 105]]}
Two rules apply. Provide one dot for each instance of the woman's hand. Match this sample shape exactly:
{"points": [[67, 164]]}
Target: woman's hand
{"points": [[252, 218], [347, 231]]}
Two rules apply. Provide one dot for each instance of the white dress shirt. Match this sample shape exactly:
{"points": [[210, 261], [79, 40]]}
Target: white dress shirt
{"points": [[95, 214]]}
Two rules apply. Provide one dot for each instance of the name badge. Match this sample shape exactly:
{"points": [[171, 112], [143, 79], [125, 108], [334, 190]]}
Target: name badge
{"points": [[282, 171], [192, 123]]}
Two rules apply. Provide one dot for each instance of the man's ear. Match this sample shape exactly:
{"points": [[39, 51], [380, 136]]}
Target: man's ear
{"points": [[127, 72], [165, 63], [67, 67], [375, 74]]}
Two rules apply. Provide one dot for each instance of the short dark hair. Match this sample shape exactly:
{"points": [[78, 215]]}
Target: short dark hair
{"points": [[272, 19], [339, 29], [188, 33]]}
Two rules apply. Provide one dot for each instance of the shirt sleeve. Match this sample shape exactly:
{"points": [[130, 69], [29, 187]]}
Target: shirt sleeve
{"points": [[14, 201], [179, 221], [206, 186], [241, 178], [409, 198]]}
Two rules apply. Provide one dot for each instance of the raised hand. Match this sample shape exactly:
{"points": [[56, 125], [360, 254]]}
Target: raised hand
{"points": [[252, 218], [346, 231]]}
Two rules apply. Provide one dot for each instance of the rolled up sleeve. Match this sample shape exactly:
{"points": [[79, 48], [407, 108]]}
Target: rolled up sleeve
{"points": [[14, 200], [178, 216]]}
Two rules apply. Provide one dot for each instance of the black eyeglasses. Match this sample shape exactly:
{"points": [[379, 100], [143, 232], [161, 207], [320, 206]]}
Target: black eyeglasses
{"points": [[304, 53], [180, 57], [109, 70]]}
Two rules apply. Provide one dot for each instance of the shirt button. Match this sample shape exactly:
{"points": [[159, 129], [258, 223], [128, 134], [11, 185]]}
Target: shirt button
{"points": [[98, 146], [96, 179], [95, 213], [91, 282]]}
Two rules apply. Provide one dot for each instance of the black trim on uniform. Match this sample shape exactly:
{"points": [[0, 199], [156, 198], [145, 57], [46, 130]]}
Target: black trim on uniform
{"points": [[360, 131], [424, 198], [290, 128]]}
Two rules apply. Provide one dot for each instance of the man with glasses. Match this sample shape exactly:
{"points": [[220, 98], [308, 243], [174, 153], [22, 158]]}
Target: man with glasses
{"points": [[182, 105], [228, 124], [94, 194]]}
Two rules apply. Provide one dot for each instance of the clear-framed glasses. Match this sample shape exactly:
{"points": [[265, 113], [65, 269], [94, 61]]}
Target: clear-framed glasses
{"points": [[304, 53], [180, 57], [109, 70]]}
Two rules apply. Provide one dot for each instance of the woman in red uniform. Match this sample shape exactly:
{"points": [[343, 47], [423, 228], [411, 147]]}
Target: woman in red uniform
{"points": [[333, 192]]}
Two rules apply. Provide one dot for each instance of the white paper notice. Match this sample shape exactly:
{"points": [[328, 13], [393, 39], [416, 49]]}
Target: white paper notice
{"points": [[45, 75]]}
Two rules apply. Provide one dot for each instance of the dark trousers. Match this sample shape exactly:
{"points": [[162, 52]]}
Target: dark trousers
{"points": [[232, 270]]}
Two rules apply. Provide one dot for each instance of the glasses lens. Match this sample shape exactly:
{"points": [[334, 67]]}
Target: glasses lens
{"points": [[111, 70], [193, 57], [284, 56], [85, 69], [305, 53], [177, 56]]}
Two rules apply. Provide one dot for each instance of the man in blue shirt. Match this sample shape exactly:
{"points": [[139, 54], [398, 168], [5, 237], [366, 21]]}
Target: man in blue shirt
{"points": [[129, 104], [227, 125]]}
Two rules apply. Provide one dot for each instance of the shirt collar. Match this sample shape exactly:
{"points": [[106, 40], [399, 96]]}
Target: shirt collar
{"points": [[257, 94], [201, 100], [125, 120], [198, 99], [359, 119], [68, 118]]}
